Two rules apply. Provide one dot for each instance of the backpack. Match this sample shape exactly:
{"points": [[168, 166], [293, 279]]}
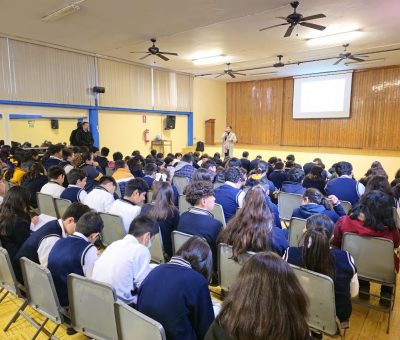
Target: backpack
{"points": [[200, 146]]}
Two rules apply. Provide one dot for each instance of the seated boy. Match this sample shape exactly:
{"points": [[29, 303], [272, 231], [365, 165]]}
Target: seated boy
{"points": [[102, 196], [54, 186], [75, 191]]}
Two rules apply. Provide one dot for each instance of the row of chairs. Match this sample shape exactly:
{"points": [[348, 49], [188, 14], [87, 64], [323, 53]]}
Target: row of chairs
{"points": [[94, 310], [51, 206]]}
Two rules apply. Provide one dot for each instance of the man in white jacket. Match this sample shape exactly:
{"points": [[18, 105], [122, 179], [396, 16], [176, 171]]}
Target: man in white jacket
{"points": [[228, 141]]}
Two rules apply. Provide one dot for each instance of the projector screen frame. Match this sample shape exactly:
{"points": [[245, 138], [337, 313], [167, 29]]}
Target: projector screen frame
{"points": [[344, 114]]}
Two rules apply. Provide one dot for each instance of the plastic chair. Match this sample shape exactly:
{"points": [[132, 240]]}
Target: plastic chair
{"points": [[133, 324], [157, 249], [41, 295], [91, 306], [46, 204], [113, 228], [321, 294], [183, 204], [61, 205], [374, 259], [287, 203], [296, 231], [178, 239], [218, 213], [346, 206], [228, 269], [180, 183]]}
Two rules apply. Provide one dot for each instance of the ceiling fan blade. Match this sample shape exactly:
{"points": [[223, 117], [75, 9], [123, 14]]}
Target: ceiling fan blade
{"points": [[232, 75], [283, 18], [360, 55], [138, 52], [266, 28], [289, 31], [338, 61], [239, 74], [356, 59], [312, 17], [314, 26], [147, 55], [162, 57], [220, 75], [169, 53]]}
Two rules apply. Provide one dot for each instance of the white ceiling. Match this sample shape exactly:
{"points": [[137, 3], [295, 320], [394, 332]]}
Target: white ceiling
{"points": [[192, 27]]}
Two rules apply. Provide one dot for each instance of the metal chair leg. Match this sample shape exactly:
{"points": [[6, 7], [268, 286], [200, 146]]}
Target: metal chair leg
{"points": [[16, 315], [53, 332], [40, 328]]}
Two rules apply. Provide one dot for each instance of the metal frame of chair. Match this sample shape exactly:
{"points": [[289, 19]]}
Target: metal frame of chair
{"points": [[296, 231]]}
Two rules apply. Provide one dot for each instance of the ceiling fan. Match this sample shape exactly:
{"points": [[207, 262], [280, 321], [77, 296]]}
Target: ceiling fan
{"points": [[295, 19], [279, 63], [154, 50], [230, 72], [349, 55]]}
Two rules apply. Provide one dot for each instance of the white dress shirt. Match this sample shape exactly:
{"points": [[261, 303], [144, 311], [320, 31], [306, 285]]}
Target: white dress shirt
{"points": [[99, 199], [52, 188], [124, 265], [126, 209], [47, 243]]}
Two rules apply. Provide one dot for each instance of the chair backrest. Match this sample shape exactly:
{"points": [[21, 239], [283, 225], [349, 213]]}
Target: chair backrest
{"points": [[40, 290], [113, 228], [46, 204], [131, 322], [7, 276], [91, 305], [296, 231], [219, 214], [321, 294], [287, 203], [178, 239], [183, 204], [228, 268], [157, 249], [396, 218], [373, 257], [346, 206], [180, 183], [61, 205], [149, 196]]}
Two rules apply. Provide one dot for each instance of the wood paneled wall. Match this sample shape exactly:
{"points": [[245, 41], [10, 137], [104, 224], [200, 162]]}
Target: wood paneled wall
{"points": [[260, 112]]}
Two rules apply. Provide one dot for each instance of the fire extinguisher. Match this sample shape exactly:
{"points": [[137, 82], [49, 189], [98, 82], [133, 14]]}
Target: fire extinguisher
{"points": [[146, 135]]}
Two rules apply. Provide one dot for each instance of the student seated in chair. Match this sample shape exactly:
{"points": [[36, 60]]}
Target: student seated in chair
{"points": [[129, 207], [293, 185], [54, 186], [185, 167], [102, 196], [199, 220], [316, 255], [38, 246], [75, 254], [75, 191], [55, 158], [126, 263], [176, 293], [278, 175]]}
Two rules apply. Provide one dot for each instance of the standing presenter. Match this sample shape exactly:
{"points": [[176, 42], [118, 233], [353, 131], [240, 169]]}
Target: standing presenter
{"points": [[228, 141]]}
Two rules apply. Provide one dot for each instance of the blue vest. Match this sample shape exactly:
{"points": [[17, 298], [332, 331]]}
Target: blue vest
{"points": [[50, 162], [31, 245], [67, 257], [228, 196], [71, 193], [346, 189]]}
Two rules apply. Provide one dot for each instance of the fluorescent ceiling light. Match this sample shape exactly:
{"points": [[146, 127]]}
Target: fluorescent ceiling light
{"points": [[364, 62], [216, 59], [334, 38], [62, 12]]}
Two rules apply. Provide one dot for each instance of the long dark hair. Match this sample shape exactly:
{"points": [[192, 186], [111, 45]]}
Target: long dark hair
{"points": [[163, 197], [265, 302], [377, 209], [316, 250], [15, 204], [380, 183], [35, 170], [315, 196], [315, 173], [250, 229]]}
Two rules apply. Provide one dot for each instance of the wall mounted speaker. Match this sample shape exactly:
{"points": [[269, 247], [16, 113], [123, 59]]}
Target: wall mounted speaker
{"points": [[99, 89], [54, 123], [170, 123]]}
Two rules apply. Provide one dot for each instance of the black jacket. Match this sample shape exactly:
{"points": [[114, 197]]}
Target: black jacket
{"points": [[83, 138]]}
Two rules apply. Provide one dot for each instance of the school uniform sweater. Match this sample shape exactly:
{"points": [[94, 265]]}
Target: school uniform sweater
{"points": [[307, 210], [293, 188], [177, 297], [51, 161], [228, 197], [278, 177], [67, 257], [315, 183], [345, 188], [74, 194], [344, 272]]}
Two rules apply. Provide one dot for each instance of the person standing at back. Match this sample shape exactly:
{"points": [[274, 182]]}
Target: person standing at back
{"points": [[72, 138], [83, 136], [228, 141]]}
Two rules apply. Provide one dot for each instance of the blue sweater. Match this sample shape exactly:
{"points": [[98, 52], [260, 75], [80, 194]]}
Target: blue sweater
{"points": [[227, 196], [306, 210], [293, 188], [51, 162], [345, 189], [179, 299], [344, 271], [278, 242], [72, 194], [278, 177]]}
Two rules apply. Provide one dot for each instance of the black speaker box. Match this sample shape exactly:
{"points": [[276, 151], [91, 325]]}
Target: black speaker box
{"points": [[170, 123], [54, 123], [99, 89]]}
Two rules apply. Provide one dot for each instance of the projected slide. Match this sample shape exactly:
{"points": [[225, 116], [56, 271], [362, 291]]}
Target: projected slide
{"points": [[325, 96]]}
